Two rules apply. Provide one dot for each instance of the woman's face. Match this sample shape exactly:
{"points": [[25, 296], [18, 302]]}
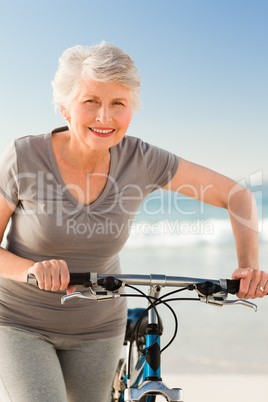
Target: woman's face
{"points": [[100, 114]]}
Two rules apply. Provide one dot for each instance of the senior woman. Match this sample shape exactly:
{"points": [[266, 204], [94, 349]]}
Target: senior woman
{"points": [[72, 194]]}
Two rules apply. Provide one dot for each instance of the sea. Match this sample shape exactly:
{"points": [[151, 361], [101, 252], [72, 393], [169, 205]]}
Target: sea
{"points": [[175, 235]]}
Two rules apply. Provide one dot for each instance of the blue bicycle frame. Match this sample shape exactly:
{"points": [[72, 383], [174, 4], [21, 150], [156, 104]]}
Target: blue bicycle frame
{"points": [[148, 367], [146, 381]]}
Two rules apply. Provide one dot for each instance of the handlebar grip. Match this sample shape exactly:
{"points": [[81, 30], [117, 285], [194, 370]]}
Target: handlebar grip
{"points": [[75, 279], [81, 278], [233, 286]]}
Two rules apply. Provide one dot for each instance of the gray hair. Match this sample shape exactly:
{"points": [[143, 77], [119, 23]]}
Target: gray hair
{"points": [[103, 62]]}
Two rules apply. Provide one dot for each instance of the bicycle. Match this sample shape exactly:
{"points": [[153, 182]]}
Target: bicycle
{"points": [[138, 375]]}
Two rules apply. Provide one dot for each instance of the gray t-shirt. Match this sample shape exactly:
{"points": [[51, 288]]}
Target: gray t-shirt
{"points": [[49, 223]]}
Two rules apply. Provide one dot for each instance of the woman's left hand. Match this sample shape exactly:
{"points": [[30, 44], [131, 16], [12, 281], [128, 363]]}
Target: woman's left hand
{"points": [[253, 284]]}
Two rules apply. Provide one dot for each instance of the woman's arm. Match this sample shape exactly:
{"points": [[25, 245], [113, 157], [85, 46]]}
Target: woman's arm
{"points": [[11, 266], [51, 275], [207, 186]]}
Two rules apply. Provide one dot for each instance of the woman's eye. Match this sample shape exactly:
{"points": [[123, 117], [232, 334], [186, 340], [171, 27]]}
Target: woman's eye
{"points": [[119, 103]]}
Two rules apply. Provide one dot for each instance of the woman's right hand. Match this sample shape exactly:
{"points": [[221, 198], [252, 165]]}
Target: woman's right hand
{"points": [[52, 275]]}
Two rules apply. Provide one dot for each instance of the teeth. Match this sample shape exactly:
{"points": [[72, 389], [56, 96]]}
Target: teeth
{"points": [[102, 131]]}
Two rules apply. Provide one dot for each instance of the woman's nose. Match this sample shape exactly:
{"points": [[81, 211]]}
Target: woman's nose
{"points": [[104, 114]]}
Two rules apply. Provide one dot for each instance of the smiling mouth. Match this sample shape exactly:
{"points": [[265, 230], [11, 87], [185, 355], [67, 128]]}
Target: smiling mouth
{"points": [[102, 132]]}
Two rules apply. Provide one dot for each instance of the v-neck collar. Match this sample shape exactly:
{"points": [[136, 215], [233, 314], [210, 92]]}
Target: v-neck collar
{"points": [[59, 178]]}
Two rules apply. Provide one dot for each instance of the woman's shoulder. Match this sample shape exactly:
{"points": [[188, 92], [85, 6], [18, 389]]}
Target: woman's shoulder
{"points": [[30, 142], [32, 149], [131, 144], [37, 142]]}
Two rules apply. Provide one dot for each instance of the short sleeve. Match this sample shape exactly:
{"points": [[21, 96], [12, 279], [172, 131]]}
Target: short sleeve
{"points": [[161, 164], [9, 174]]}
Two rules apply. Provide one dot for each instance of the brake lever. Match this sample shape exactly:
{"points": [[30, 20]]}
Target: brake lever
{"points": [[91, 295], [243, 302], [221, 301], [78, 295]]}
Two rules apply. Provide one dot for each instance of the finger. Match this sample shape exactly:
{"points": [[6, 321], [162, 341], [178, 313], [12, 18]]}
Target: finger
{"points": [[60, 277], [245, 275], [262, 287], [253, 285], [240, 273], [55, 269], [71, 289], [49, 267], [64, 275], [260, 291]]}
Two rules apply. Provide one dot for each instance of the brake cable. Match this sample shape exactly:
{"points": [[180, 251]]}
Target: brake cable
{"points": [[156, 302]]}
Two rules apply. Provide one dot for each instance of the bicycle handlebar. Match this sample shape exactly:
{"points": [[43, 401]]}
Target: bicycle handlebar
{"points": [[210, 291], [87, 279]]}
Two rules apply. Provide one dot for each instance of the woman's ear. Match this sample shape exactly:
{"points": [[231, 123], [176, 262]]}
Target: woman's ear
{"points": [[64, 113]]}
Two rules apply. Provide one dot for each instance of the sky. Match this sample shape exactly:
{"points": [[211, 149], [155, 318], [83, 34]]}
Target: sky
{"points": [[203, 65]]}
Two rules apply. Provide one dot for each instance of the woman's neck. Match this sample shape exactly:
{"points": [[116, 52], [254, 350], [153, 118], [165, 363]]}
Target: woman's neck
{"points": [[79, 156]]}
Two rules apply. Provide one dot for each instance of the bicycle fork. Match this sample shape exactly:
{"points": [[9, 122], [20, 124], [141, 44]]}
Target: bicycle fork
{"points": [[152, 383]]}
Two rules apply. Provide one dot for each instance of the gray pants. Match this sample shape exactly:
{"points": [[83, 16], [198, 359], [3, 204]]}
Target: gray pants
{"points": [[35, 368]]}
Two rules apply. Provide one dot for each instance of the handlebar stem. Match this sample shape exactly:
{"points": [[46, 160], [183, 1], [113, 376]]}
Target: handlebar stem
{"points": [[154, 292]]}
